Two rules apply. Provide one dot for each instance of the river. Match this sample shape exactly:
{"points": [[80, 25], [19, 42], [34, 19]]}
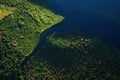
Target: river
{"points": [[97, 18], [82, 17]]}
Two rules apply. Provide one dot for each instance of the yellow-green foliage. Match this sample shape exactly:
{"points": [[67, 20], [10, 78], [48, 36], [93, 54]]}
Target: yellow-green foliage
{"points": [[4, 11], [21, 24], [25, 24]]}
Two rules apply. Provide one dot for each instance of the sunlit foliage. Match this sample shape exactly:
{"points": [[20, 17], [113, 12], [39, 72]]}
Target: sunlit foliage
{"points": [[21, 23]]}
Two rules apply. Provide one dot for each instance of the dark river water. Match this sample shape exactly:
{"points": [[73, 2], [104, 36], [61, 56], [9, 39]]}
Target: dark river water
{"points": [[97, 18]]}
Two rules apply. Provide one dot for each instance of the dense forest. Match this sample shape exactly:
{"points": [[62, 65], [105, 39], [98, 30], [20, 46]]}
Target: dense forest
{"points": [[21, 23], [65, 56], [75, 56]]}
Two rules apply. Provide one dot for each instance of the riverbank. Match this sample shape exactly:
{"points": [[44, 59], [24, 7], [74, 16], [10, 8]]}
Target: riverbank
{"points": [[19, 34], [87, 22]]}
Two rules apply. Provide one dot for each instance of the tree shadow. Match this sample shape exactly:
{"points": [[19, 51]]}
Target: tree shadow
{"points": [[92, 24], [39, 2]]}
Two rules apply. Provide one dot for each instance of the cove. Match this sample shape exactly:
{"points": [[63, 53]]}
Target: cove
{"points": [[96, 18], [77, 19]]}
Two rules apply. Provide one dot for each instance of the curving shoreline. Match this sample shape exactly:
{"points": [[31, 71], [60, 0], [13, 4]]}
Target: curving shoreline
{"points": [[98, 26]]}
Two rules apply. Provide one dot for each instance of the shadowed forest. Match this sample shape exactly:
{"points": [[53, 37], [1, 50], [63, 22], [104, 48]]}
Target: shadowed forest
{"points": [[59, 40]]}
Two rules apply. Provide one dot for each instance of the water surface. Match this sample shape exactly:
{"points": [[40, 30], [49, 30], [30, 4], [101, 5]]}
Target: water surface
{"points": [[97, 18]]}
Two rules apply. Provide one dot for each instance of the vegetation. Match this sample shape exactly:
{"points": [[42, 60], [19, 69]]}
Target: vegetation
{"points": [[65, 56], [25, 24], [74, 56], [4, 11], [21, 24]]}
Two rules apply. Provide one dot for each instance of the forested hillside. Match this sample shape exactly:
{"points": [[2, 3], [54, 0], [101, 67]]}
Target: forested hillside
{"points": [[21, 23], [74, 56], [64, 56]]}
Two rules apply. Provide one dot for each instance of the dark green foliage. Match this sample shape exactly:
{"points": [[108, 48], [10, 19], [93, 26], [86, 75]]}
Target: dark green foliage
{"points": [[39, 2], [19, 34], [11, 2], [25, 24], [73, 56], [10, 60], [65, 56]]}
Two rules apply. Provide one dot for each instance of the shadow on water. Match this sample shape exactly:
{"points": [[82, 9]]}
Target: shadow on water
{"points": [[91, 24], [41, 43], [38, 47], [39, 2], [94, 25], [106, 30]]}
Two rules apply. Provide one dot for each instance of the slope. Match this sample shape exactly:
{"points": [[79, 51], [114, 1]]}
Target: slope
{"points": [[21, 24], [74, 56]]}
